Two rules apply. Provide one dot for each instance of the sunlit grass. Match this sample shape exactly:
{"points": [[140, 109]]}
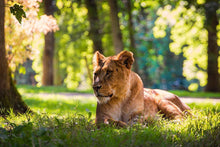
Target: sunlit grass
{"points": [[69, 121]]}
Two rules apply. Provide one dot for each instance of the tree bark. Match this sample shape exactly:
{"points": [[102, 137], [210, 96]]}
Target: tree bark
{"points": [[11, 99], [131, 35], [89, 71], [211, 8], [48, 54], [116, 32], [95, 30], [3, 61], [48, 59], [9, 96], [57, 72]]}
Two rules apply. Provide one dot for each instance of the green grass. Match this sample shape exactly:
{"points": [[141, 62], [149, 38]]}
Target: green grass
{"points": [[60, 105], [69, 121]]}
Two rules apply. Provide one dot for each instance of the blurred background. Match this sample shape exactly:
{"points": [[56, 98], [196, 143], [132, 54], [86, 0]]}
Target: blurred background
{"points": [[175, 43]]}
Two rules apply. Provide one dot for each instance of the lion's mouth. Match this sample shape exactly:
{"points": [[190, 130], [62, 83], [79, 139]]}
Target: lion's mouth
{"points": [[103, 99], [102, 96]]}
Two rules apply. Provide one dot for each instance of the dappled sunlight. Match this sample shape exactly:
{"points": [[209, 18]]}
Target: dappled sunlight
{"points": [[187, 38]]}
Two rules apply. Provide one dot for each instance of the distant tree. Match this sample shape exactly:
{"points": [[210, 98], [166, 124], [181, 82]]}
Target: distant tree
{"points": [[48, 53], [115, 26], [95, 30], [212, 20], [194, 33], [9, 96], [73, 43], [129, 6], [210, 8]]}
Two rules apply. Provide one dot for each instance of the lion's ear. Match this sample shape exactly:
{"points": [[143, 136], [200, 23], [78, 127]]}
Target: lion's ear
{"points": [[126, 58], [98, 58]]}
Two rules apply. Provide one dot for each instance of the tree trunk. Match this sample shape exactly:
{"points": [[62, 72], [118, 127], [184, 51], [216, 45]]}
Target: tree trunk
{"points": [[131, 34], [213, 84], [9, 96], [57, 72], [4, 84], [116, 32], [89, 71], [95, 31], [48, 53], [11, 99], [48, 59]]}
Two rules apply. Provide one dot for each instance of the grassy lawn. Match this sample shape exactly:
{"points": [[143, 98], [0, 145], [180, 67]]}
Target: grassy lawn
{"points": [[64, 121]]}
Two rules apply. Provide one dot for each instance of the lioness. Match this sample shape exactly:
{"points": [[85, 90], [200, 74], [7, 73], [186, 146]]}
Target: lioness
{"points": [[122, 97]]}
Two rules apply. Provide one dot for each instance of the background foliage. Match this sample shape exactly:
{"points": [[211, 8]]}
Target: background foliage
{"points": [[170, 38]]}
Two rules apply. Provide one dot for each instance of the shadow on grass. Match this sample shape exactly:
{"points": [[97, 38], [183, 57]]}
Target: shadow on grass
{"points": [[48, 89], [54, 106]]}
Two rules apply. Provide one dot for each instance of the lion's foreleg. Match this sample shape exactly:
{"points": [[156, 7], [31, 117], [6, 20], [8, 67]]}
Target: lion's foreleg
{"points": [[116, 123]]}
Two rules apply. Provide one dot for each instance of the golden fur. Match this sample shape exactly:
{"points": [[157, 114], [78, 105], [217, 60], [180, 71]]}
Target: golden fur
{"points": [[121, 96]]}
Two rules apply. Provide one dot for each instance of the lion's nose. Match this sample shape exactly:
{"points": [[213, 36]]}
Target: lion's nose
{"points": [[96, 87]]}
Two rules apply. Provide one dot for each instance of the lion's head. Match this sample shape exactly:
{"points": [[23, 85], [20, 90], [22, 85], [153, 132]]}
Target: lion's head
{"points": [[111, 75]]}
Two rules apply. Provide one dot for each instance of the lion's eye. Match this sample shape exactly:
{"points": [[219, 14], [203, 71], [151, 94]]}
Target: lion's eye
{"points": [[108, 72]]}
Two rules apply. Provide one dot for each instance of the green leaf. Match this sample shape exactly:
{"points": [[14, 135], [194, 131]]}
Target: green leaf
{"points": [[18, 12], [22, 70], [89, 113]]}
